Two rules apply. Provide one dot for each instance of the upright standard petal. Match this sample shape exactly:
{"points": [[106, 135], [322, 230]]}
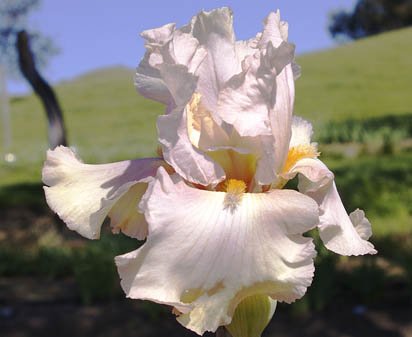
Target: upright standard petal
{"points": [[166, 46], [249, 96], [150, 84], [246, 48], [259, 100], [281, 116], [188, 161], [214, 31], [207, 251], [83, 195], [275, 30], [276, 33], [158, 36], [340, 233], [148, 80]]}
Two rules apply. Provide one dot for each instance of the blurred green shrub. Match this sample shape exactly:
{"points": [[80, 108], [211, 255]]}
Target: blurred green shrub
{"points": [[46, 262], [363, 130], [382, 185], [94, 268], [92, 265]]}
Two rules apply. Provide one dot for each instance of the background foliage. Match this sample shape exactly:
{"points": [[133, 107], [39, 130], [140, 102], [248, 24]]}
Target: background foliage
{"points": [[13, 18], [370, 17]]}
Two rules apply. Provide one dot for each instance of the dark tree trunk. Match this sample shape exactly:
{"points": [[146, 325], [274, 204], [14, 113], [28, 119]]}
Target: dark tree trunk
{"points": [[56, 130]]}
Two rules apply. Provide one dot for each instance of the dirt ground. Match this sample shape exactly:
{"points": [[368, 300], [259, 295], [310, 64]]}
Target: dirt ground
{"points": [[31, 307], [61, 317]]}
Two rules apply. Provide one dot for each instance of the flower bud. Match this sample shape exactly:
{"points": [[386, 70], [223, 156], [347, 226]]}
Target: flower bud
{"points": [[251, 316]]}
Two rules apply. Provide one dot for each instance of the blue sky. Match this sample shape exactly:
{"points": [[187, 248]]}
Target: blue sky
{"points": [[98, 33]]}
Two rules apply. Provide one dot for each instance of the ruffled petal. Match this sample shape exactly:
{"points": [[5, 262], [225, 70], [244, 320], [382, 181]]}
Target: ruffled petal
{"points": [[261, 102], [188, 161], [361, 224], [178, 149], [166, 47], [340, 233], [180, 82], [281, 116], [158, 36], [149, 83], [204, 132], [275, 148], [246, 48], [124, 215], [207, 251], [185, 50], [248, 97], [206, 135], [275, 30], [148, 79], [276, 33], [302, 132], [83, 195], [214, 31]]}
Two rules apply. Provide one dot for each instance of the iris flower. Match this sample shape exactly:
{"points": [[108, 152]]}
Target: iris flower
{"points": [[224, 238]]}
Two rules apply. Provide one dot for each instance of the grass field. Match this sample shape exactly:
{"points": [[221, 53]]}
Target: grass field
{"points": [[368, 78]]}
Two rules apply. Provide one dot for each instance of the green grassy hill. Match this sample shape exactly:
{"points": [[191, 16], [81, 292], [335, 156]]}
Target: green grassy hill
{"points": [[107, 120], [367, 78]]}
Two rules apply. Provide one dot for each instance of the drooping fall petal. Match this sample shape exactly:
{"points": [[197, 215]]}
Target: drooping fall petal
{"points": [[207, 251], [83, 195], [361, 223], [340, 233], [124, 215]]}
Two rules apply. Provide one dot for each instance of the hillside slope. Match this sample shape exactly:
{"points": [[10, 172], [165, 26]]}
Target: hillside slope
{"points": [[368, 78], [107, 120]]}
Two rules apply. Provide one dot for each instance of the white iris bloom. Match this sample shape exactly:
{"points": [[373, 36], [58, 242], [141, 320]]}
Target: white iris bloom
{"points": [[220, 230]]}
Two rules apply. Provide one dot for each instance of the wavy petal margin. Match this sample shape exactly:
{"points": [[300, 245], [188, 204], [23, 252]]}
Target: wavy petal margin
{"points": [[83, 195], [188, 161], [340, 233], [248, 98], [204, 255], [214, 31]]}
